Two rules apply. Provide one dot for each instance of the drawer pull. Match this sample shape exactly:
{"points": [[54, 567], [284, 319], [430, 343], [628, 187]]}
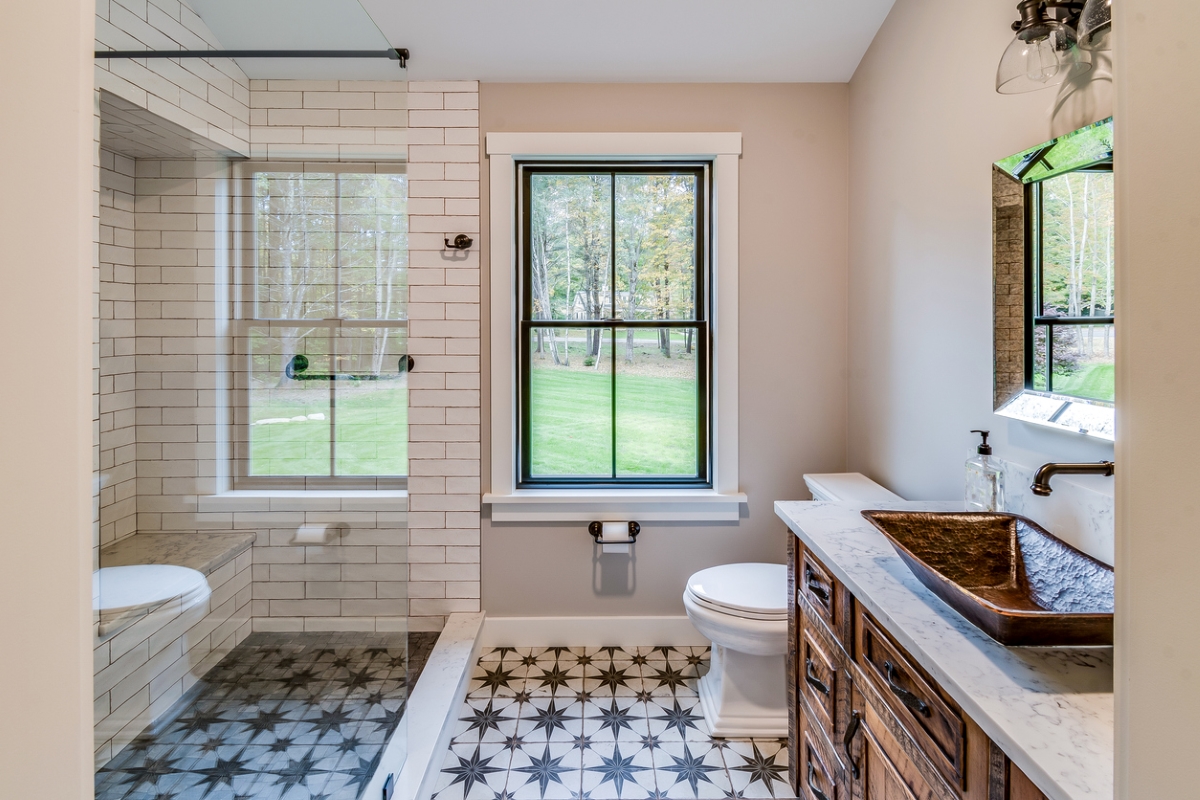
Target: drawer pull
{"points": [[810, 677], [815, 586], [848, 739], [914, 703], [812, 786]]}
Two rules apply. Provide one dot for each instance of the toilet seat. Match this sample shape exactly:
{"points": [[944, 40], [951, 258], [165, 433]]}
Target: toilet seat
{"points": [[121, 594], [749, 591]]}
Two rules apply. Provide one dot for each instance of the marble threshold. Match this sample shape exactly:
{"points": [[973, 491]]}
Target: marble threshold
{"points": [[1049, 709], [429, 718]]}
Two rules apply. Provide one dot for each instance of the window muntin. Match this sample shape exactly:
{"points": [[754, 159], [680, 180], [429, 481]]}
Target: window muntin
{"points": [[1072, 299], [326, 280], [614, 260]]}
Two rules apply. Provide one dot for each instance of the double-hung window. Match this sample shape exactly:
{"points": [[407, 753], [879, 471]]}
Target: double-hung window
{"points": [[613, 346], [614, 327], [320, 327]]}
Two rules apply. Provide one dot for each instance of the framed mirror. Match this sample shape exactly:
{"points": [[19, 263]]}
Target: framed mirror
{"points": [[1053, 293]]}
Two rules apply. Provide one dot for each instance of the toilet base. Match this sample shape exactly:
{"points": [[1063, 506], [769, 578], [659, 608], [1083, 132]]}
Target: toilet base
{"points": [[745, 696]]}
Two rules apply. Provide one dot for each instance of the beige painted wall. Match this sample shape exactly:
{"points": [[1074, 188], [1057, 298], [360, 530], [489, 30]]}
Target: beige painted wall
{"points": [[925, 126], [46, 281], [1158, 392], [792, 334]]}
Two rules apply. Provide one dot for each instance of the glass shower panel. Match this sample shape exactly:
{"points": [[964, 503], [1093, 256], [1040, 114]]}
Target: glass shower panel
{"points": [[306, 421]]}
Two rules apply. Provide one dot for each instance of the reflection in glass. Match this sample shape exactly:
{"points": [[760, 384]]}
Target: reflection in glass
{"points": [[570, 397], [657, 405], [288, 420], [371, 416], [1070, 152], [570, 246]]}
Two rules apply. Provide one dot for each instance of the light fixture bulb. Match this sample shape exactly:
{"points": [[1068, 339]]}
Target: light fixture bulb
{"points": [[1041, 60]]}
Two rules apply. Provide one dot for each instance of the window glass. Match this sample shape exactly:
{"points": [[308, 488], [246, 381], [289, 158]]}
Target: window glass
{"points": [[327, 397], [615, 391], [1076, 298]]}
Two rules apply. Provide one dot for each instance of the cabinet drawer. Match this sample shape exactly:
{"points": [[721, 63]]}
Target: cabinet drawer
{"points": [[938, 727], [822, 594], [820, 677], [819, 779]]}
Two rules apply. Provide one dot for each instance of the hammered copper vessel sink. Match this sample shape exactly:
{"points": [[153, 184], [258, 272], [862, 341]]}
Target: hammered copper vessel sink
{"points": [[1006, 574]]}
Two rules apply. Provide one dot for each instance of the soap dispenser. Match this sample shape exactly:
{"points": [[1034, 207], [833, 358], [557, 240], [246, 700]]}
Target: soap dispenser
{"points": [[985, 481]]}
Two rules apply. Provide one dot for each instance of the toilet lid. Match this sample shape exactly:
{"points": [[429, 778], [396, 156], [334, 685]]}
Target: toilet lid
{"points": [[758, 589], [117, 591]]}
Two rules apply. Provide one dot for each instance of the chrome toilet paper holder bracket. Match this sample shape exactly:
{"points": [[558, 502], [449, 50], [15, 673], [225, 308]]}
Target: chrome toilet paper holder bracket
{"points": [[596, 528]]}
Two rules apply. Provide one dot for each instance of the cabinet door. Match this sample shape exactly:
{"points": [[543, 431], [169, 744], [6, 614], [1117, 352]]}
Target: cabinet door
{"points": [[879, 767]]}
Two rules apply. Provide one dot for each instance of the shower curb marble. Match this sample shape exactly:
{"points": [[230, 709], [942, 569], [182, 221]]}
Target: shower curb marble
{"points": [[590, 632], [432, 704], [1049, 709]]}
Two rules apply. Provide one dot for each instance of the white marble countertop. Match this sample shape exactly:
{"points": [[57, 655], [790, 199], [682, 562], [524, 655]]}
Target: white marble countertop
{"points": [[1049, 709]]}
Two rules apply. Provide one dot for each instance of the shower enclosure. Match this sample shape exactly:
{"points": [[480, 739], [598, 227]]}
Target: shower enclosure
{"points": [[251, 450]]}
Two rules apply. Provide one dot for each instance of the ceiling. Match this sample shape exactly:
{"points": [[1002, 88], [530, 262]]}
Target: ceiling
{"points": [[557, 40]]}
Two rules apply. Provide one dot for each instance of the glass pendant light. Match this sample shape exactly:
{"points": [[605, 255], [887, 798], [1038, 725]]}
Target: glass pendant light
{"points": [[1042, 54], [1095, 25]]}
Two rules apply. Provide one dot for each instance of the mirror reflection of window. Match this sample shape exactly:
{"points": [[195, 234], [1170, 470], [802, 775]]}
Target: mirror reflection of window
{"points": [[1055, 273]]}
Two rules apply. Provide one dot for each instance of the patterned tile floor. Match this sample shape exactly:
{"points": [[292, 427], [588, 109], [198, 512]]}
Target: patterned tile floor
{"points": [[599, 723], [282, 717]]}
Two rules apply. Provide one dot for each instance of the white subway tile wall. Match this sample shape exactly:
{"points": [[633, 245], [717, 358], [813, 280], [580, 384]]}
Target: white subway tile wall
{"points": [[444, 313], [117, 475]]}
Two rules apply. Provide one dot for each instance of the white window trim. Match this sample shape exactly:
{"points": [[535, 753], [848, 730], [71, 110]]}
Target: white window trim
{"points": [[724, 500]]}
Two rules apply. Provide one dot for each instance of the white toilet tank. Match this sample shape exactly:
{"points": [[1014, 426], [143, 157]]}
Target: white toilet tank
{"points": [[848, 487]]}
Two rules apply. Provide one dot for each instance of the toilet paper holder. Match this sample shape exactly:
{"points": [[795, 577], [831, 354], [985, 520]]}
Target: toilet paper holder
{"points": [[597, 528]]}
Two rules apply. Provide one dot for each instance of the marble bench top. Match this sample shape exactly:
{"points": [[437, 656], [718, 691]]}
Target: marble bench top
{"points": [[200, 550], [1049, 709]]}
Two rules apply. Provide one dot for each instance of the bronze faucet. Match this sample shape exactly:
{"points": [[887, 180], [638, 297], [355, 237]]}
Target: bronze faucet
{"points": [[1041, 480]]}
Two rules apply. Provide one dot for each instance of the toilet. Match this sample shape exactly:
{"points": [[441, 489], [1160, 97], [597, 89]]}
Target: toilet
{"points": [[120, 595], [742, 609]]}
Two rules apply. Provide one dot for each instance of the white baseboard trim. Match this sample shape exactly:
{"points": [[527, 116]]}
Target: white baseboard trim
{"points": [[432, 709], [590, 632]]}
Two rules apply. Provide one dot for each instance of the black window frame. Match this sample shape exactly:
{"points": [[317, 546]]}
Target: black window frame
{"points": [[1034, 275], [701, 322]]}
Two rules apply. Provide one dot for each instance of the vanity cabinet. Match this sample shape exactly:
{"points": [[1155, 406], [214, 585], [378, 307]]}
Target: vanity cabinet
{"points": [[867, 722]]}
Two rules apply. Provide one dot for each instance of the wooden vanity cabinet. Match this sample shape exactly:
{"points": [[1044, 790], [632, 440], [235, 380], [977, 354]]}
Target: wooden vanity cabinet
{"points": [[867, 722]]}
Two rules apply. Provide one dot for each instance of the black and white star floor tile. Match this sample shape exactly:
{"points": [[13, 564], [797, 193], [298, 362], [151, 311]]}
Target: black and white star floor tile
{"points": [[474, 772], [282, 717], [758, 769], [545, 771], [632, 729], [691, 770], [615, 770]]}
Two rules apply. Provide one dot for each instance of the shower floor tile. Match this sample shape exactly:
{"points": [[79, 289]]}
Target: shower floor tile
{"points": [[573, 723], [297, 716]]}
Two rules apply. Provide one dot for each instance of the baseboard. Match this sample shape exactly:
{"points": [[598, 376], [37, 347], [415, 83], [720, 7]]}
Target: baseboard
{"points": [[432, 709], [590, 632]]}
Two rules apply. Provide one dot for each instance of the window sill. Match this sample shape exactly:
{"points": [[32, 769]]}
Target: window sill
{"points": [[1066, 414], [641, 505], [243, 500]]}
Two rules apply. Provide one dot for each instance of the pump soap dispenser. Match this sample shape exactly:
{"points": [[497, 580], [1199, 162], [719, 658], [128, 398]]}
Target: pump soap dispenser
{"points": [[985, 481]]}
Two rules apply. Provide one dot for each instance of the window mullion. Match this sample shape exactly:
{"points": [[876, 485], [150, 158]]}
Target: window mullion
{"points": [[612, 313]]}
